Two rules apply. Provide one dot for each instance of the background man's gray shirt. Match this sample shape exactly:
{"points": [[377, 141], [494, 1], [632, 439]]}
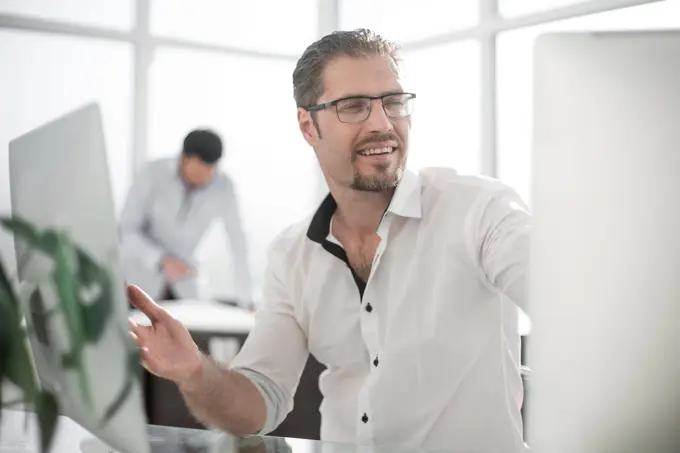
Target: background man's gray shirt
{"points": [[162, 217]]}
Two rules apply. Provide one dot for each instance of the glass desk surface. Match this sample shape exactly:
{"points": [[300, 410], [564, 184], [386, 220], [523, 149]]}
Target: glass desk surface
{"points": [[16, 436]]}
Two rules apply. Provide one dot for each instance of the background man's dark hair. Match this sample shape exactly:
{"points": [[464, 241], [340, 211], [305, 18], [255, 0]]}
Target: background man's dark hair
{"points": [[204, 144]]}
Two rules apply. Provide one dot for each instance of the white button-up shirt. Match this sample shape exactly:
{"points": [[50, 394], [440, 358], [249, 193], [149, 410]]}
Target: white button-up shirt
{"points": [[426, 352]]}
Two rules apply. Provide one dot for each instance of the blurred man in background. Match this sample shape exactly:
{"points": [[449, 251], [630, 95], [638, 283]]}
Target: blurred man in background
{"points": [[169, 209]]}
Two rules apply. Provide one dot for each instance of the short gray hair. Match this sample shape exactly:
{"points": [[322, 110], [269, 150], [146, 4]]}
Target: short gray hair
{"points": [[308, 73]]}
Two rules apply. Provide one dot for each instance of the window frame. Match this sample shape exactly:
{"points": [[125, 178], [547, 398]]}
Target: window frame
{"points": [[490, 24]]}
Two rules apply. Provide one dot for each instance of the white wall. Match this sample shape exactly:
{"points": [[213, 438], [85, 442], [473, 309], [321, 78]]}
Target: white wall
{"points": [[50, 75]]}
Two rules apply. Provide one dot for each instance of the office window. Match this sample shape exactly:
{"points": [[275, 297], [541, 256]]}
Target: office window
{"points": [[515, 84], [52, 75], [511, 8], [264, 25], [118, 14], [249, 102], [407, 20], [446, 119]]}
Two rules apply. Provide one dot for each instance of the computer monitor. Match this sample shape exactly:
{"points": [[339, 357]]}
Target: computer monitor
{"points": [[605, 262], [59, 180]]}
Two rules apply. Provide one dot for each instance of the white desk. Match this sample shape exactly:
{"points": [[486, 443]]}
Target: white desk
{"points": [[222, 322], [205, 316]]}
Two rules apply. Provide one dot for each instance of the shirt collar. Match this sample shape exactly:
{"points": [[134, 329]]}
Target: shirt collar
{"points": [[405, 202], [406, 199]]}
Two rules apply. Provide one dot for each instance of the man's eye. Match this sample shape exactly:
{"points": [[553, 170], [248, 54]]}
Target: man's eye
{"points": [[353, 106]]}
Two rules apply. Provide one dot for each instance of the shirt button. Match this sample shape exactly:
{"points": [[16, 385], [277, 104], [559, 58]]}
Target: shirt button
{"points": [[364, 418], [376, 361], [369, 308]]}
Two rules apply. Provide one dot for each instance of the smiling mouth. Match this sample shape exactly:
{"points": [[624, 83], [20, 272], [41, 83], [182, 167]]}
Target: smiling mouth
{"points": [[377, 151]]}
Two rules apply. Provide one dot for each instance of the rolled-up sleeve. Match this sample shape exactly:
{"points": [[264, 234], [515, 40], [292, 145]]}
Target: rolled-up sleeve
{"points": [[273, 396], [275, 351]]}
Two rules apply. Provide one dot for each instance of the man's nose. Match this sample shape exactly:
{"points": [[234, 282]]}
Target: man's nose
{"points": [[377, 120]]}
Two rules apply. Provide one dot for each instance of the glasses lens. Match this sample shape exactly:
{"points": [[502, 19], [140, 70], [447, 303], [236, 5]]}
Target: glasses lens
{"points": [[353, 110], [398, 105]]}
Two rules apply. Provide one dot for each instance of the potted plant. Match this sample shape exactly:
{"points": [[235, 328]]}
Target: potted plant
{"points": [[85, 303]]}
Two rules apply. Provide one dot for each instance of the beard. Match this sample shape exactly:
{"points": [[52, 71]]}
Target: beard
{"points": [[385, 179], [385, 175]]}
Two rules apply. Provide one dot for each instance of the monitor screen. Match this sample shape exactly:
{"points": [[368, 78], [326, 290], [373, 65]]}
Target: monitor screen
{"points": [[70, 280]]}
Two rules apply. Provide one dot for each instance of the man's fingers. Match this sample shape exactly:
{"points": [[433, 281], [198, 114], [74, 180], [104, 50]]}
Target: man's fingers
{"points": [[140, 332], [142, 302], [135, 338]]}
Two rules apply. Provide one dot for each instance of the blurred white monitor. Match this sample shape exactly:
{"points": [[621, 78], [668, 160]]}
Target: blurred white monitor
{"points": [[605, 270], [59, 179]]}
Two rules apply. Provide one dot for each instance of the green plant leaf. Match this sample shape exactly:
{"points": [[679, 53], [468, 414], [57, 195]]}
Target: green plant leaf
{"points": [[7, 295], [15, 364], [47, 409], [9, 318], [19, 370], [85, 297], [25, 231], [96, 312], [95, 317], [65, 279], [119, 400], [15, 361], [70, 360], [6, 346], [6, 336], [134, 375], [8, 321]]}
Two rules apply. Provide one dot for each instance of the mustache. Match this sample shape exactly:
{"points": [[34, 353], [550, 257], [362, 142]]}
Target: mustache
{"points": [[375, 138]]}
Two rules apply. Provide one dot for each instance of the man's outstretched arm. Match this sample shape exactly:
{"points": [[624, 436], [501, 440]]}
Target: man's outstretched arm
{"points": [[224, 399], [255, 393]]}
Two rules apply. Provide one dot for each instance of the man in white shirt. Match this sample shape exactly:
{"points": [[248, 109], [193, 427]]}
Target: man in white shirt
{"points": [[406, 286]]}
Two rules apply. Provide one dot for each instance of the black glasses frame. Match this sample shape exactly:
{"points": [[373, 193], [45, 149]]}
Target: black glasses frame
{"points": [[334, 103]]}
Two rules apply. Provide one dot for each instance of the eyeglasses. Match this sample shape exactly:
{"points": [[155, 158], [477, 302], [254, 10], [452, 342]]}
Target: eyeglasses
{"points": [[356, 109]]}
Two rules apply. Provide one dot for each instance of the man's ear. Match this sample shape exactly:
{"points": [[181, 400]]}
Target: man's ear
{"points": [[307, 126]]}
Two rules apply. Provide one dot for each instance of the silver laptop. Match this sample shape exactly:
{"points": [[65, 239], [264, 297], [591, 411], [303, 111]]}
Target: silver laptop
{"points": [[59, 181], [605, 271]]}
